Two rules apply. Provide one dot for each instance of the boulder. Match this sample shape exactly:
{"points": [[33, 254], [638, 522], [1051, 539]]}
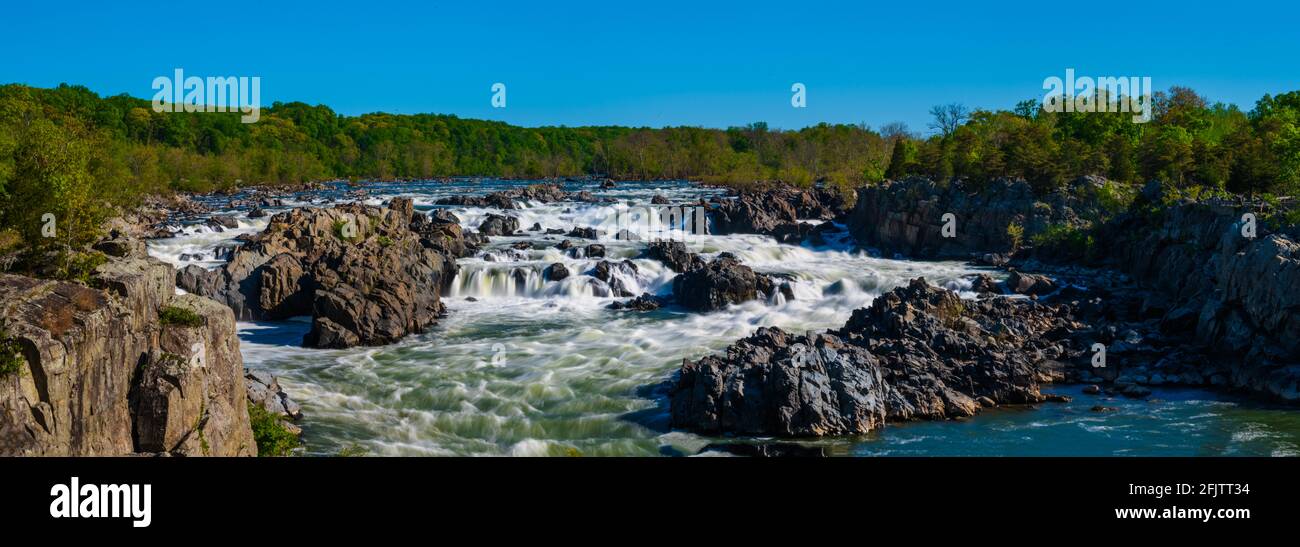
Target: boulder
{"points": [[917, 353], [381, 283]]}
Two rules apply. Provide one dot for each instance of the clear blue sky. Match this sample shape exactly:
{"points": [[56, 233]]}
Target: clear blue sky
{"points": [[656, 63]]}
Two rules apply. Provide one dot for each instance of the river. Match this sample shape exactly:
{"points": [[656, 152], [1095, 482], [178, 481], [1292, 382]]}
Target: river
{"points": [[525, 366]]}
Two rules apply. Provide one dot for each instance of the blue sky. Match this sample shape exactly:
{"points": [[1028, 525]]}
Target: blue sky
{"points": [[656, 63]]}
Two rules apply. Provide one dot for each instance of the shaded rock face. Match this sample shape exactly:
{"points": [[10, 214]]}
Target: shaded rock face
{"points": [[373, 288], [776, 212], [264, 390], [674, 255], [906, 217], [719, 283], [612, 272], [1031, 284], [918, 352], [1241, 297], [498, 225], [103, 377]]}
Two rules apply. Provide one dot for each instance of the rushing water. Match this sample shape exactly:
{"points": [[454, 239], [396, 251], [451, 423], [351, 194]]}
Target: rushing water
{"points": [[525, 366]]}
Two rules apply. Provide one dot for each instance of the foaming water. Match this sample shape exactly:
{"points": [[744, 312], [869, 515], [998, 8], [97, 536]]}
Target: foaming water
{"points": [[530, 366]]}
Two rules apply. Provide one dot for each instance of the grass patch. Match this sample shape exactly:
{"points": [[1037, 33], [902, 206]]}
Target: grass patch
{"points": [[179, 317], [273, 438], [11, 355]]}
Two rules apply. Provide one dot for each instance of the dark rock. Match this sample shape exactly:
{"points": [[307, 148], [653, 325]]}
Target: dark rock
{"points": [[555, 272], [584, 233], [720, 283], [1030, 284], [217, 222], [659, 199], [645, 302], [371, 289], [674, 255], [595, 251], [918, 352], [256, 212], [498, 225], [605, 271]]}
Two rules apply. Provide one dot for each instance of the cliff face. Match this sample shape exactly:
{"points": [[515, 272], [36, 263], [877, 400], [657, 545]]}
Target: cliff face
{"points": [[1240, 296], [103, 376], [906, 217]]}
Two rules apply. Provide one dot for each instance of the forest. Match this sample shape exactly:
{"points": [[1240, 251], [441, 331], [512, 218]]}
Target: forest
{"points": [[69, 152]]}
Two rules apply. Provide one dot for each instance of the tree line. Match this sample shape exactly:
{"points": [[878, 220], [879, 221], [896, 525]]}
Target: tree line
{"points": [[69, 152]]}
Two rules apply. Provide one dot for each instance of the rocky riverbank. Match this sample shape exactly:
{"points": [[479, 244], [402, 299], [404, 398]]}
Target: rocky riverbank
{"points": [[366, 275], [124, 366], [1177, 296]]}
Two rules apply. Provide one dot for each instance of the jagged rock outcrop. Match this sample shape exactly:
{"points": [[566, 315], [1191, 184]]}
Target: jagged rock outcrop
{"points": [[613, 274], [918, 352], [1240, 296], [722, 282], [363, 274], [777, 212], [498, 225], [907, 217], [505, 199], [102, 375], [674, 255]]}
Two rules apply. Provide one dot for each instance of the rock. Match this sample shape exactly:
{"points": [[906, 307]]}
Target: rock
{"points": [[720, 283], [122, 247], [777, 211], [256, 212], [505, 199], [674, 255], [103, 377], [610, 272], [985, 284], [444, 216], [521, 245], [537, 227], [659, 199], [1092, 390], [373, 288], [899, 359], [595, 251], [907, 217], [1100, 408], [1030, 284], [498, 225], [645, 302], [217, 222], [555, 272], [584, 233], [264, 390]]}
